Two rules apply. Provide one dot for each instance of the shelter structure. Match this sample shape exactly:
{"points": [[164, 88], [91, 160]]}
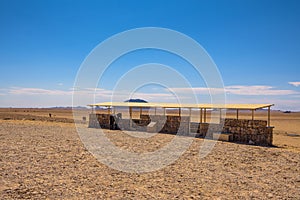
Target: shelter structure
{"points": [[251, 131]]}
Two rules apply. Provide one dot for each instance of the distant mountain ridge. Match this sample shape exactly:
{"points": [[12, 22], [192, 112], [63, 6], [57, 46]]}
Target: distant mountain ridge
{"points": [[136, 100]]}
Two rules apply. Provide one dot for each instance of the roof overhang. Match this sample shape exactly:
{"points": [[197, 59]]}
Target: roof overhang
{"points": [[178, 105]]}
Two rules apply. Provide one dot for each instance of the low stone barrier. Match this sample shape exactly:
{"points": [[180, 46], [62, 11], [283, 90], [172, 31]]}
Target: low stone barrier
{"points": [[249, 131], [244, 131]]}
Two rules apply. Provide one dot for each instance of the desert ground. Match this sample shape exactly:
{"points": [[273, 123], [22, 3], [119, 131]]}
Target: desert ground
{"points": [[44, 158]]}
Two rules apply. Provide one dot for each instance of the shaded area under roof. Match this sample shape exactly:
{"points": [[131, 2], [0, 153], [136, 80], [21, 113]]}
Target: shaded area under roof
{"points": [[178, 105]]}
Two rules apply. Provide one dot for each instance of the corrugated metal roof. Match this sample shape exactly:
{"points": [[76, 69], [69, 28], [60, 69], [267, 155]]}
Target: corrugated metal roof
{"points": [[177, 105]]}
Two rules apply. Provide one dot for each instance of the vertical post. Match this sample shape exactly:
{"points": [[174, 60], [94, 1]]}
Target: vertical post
{"points": [[220, 115], [237, 113], [201, 115], [108, 110], [204, 115], [164, 111], [179, 112], [252, 115], [155, 111], [189, 125], [114, 110], [141, 111], [269, 116], [130, 117]]}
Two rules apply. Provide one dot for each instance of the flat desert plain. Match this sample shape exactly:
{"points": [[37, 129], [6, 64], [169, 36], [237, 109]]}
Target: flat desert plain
{"points": [[44, 158]]}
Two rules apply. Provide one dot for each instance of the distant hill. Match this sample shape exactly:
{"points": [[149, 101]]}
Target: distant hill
{"points": [[136, 100], [68, 108], [288, 111]]}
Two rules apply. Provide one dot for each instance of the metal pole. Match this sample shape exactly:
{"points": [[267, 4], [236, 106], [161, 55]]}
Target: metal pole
{"points": [[141, 111], [201, 115], [252, 115], [237, 113], [269, 116], [190, 115], [204, 115], [130, 117]]}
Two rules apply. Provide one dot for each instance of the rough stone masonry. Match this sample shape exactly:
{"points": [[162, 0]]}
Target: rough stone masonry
{"points": [[244, 131]]}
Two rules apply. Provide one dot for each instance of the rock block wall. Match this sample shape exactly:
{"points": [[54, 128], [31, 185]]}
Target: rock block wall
{"points": [[176, 124], [244, 131], [99, 120], [94, 121], [124, 124], [249, 131]]}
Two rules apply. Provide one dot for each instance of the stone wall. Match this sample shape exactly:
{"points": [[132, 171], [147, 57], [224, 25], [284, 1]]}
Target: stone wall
{"points": [[99, 120], [164, 124], [249, 131], [243, 131], [93, 121]]}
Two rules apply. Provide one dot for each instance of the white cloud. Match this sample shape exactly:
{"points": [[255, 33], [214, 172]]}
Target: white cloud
{"points": [[296, 84], [47, 97], [255, 90], [2, 92], [39, 97], [37, 91], [259, 90], [198, 90]]}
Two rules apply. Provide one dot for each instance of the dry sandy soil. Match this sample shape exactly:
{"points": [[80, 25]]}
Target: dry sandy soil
{"points": [[42, 157]]}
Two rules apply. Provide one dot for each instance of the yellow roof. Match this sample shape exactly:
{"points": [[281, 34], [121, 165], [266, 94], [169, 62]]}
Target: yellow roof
{"points": [[178, 105]]}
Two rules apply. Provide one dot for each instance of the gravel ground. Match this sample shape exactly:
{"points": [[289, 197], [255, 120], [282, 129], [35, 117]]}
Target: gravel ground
{"points": [[46, 160]]}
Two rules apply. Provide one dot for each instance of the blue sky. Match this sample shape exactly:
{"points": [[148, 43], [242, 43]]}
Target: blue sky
{"points": [[255, 44]]}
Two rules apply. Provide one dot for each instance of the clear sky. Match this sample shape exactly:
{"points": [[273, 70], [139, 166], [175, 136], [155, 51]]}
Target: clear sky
{"points": [[255, 44]]}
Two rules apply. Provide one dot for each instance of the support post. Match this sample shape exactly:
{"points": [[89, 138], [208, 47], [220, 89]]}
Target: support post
{"points": [[179, 112], [201, 115], [155, 111], [237, 113], [189, 125], [130, 117], [269, 116], [252, 115], [204, 115], [164, 111], [141, 111]]}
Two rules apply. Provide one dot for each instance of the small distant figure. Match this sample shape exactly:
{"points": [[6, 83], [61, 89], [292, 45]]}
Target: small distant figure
{"points": [[84, 119], [50, 115]]}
